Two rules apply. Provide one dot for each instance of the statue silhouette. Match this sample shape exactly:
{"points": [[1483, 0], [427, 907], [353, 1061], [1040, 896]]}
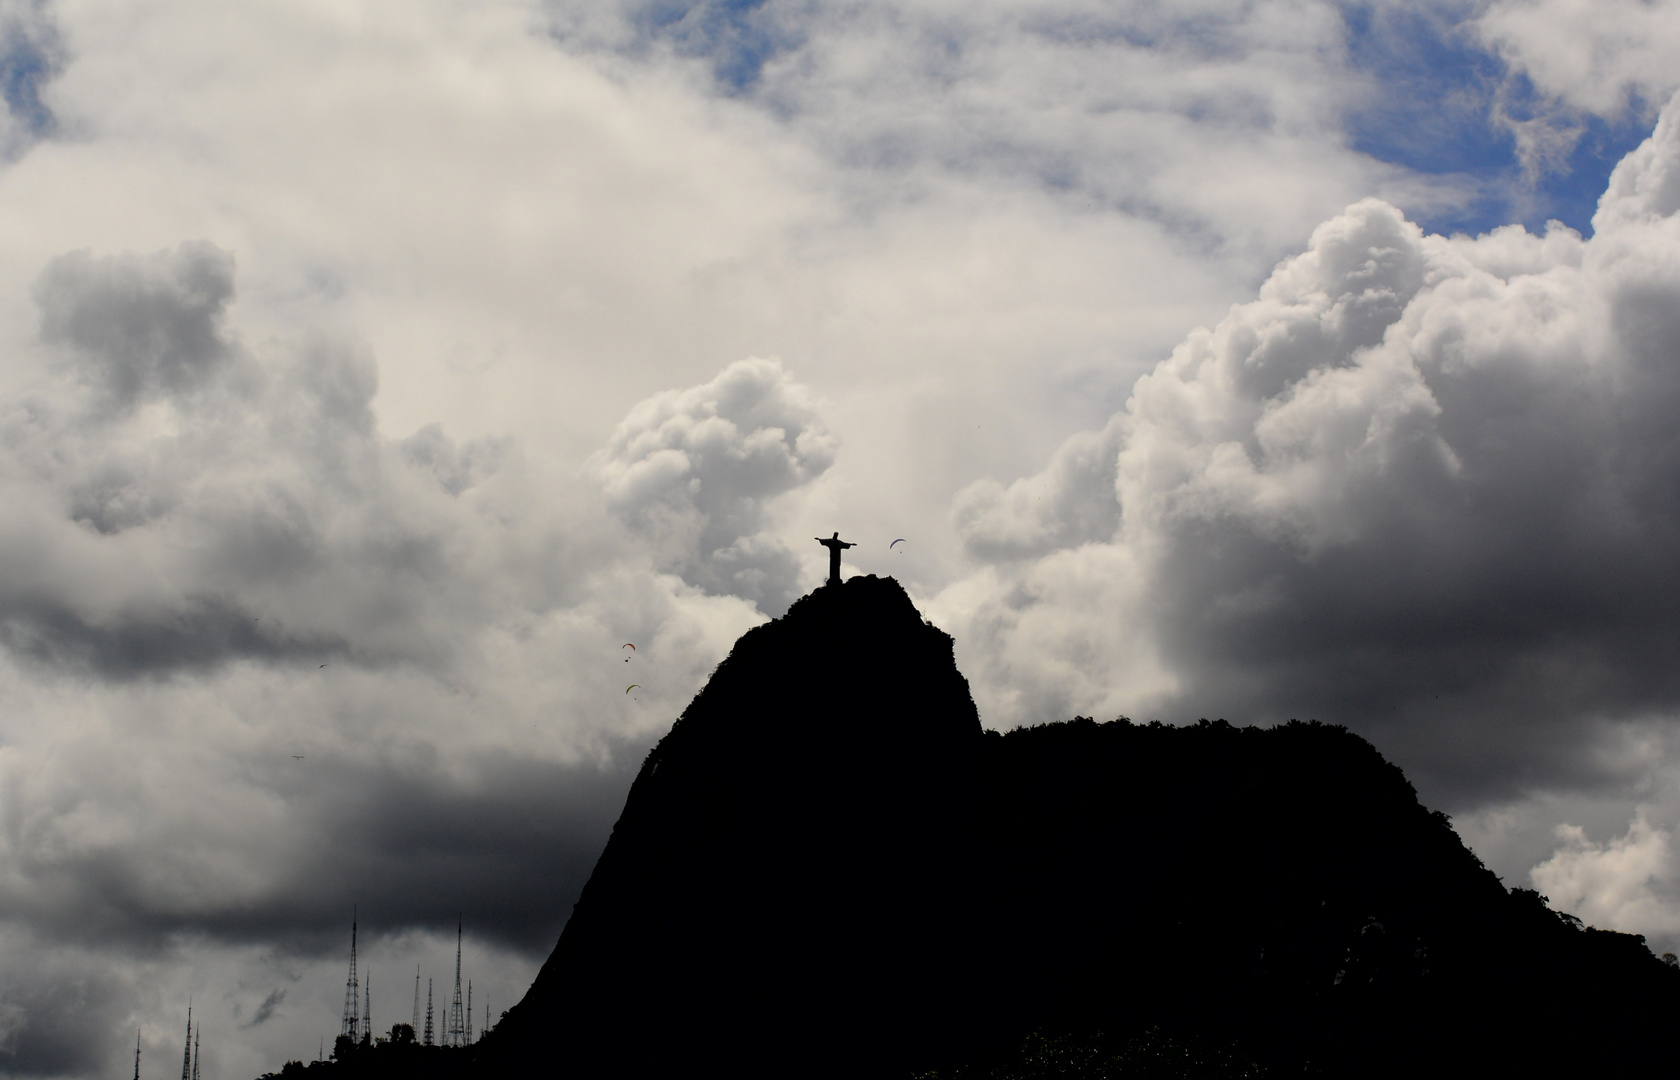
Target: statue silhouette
{"points": [[834, 545]]}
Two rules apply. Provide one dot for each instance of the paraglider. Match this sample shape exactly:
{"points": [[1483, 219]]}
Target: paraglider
{"points": [[628, 645], [895, 543], [631, 687]]}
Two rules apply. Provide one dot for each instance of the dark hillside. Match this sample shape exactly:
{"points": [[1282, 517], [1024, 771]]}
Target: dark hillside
{"points": [[827, 870], [1284, 888], [791, 880]]}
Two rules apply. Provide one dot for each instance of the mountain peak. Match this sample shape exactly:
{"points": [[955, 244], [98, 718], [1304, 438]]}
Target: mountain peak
{"points": [[804, 829]]}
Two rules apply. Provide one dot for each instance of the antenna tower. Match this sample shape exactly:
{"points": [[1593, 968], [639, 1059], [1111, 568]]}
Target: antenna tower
{"points": [[367, 1008], [136, 1054], [469, 1012], [416, 1024], [186, 1055], [428, 1040], [197, 1035], [351, 1024], [456, 1033]]}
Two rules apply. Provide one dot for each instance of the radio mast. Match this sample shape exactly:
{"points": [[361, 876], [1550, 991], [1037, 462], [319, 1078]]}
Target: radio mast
{"points": [[456, 1033], [186, 1055], [351, 1023]]}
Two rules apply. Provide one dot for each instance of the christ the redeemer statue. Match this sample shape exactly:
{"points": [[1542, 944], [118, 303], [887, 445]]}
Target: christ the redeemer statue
{"points": [[834, 545]]}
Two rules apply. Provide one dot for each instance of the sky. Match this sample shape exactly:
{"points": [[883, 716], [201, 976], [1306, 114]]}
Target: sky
{"points": [[371, 374]]}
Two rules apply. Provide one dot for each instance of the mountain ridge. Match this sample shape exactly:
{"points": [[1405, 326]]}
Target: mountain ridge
{"points": [[827, 868]]}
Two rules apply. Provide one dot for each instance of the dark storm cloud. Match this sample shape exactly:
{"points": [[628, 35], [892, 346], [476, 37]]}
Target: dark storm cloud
{"points": [[508, 841], [140, 327], [265, 1011], [1427, 487], [197, 633], [512, 844], [178, 502], [58, 1010]]}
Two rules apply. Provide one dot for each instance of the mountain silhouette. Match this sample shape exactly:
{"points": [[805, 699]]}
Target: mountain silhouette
{"points": [[1283, 888], [827, 869], [793, 876]]}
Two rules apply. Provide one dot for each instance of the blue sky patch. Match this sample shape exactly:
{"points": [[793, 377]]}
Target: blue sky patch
{"points": [[739, 36], [1438, 101], [27, 63], [1437, 105]]}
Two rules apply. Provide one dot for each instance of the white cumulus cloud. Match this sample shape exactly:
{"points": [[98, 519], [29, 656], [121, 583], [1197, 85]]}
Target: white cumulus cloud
{"points": [[1625, 883], [1425, 486], [694, 473], [1593, 54]]}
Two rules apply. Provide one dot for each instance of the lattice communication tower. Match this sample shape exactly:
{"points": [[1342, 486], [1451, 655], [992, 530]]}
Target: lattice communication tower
{"points": [[351, 1024]]}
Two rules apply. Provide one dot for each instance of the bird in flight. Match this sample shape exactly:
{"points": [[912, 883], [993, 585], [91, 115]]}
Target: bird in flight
{"points": [[297, 757]]}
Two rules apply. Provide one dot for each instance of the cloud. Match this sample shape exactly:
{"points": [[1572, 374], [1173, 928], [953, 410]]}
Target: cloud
{"points": [[1645, 188], [694, 471], [1071, 502], [265, 1011], [262, 661], [1424, 486], [138, 328], [196, 504], [1108, 106], [1618, 884], [457, 468], [1592, 55], [60, 1007]]}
